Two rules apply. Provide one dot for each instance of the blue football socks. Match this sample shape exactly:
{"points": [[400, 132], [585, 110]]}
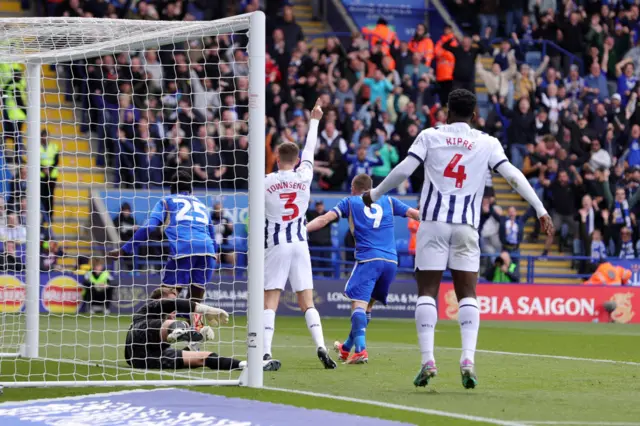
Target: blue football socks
{"points": [[358, 329]]}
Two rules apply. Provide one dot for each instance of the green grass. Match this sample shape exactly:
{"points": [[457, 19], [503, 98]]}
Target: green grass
{"points": [[517, 388]]}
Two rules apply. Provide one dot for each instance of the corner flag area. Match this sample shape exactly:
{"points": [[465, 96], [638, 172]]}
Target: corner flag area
{"points": [[530, 374]]}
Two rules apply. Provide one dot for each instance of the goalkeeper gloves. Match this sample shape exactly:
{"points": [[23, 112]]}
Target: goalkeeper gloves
{"points": [[207, 333], [213, 316]]}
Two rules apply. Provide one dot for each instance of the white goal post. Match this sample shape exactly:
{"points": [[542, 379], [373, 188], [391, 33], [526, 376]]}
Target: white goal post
{"points": [[41, 42]]}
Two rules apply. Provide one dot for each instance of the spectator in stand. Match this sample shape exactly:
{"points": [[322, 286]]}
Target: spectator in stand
{"points": [[627, 79], [380, 87], [223, 226], [98, 284], [511, 231], [333, 172], [526, 80], [49, 161], [10, 260], [465, 55], [521, 132], [600, 158], [388, 154], [445, 62], [331, 138], [382, 34], [360, 163], [489, 228], [488, 16], [504, 270], [125, 222], [595, 85], [627, 247], [13, 231], [590, 242], [422, 45], [417, 69], [563, 206], [319, 241], [496, 80], [51, 253], [574, 84]]}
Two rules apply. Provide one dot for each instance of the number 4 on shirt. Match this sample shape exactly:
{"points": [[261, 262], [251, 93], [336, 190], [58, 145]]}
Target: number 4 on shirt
{"points": [[459, 174]]}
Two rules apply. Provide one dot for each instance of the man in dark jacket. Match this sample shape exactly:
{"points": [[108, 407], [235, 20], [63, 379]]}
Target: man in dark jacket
{"points": [[464, 74]]}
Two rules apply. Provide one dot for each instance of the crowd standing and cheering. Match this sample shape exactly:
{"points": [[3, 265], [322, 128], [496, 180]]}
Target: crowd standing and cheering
{"points": [[567, 118]]}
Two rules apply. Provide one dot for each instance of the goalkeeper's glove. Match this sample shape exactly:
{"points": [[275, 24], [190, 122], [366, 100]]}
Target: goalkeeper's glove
{"points": [[207, 333], [214, 316]]}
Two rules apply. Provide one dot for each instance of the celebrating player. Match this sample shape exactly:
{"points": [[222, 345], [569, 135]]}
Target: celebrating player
{"points": [[454, 157], [190, 234], [287, 251], [376, 257], [154, 328]]}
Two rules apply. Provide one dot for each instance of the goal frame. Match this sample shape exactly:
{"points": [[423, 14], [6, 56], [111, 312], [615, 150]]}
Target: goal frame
{"points": [[254, 22]]}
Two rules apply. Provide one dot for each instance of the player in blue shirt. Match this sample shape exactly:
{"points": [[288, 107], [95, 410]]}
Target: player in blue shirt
{"points": [[190, 234], [376, 257]]}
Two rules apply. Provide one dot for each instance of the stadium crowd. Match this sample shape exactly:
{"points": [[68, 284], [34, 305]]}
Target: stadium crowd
{"points": [[567, 118]]}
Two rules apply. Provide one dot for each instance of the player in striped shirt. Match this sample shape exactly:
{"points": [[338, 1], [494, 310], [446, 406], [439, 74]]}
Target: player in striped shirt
{"points": [[455, 158], [376, 258], [287, 194]]}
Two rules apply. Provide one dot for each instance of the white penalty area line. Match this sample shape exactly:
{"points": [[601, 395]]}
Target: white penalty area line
{"points": [[427, 411], [404, 346]]}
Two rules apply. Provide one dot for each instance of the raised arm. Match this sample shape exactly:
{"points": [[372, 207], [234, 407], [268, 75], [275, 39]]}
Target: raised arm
{"points": [[156, 220], [321, 221], [312, 135]]}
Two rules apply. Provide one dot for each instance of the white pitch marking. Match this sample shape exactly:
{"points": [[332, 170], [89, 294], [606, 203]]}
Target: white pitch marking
{"points": [[403, 407]]}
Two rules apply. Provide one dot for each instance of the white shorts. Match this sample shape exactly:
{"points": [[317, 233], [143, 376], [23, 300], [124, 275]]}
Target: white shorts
{"points": [[440, 245], [288, 261]]}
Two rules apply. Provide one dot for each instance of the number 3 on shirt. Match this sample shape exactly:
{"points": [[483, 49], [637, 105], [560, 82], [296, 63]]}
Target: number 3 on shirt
{"points": [[458, 175], [290, 205]]}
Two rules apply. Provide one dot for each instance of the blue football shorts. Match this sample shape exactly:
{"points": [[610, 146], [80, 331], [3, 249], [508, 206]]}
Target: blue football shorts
{"points": [[191, 270], [371, 280]]}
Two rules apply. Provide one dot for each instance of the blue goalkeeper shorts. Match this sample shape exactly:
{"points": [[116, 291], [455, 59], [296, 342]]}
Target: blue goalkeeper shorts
{"points": [[192, 270], [371, 280]]}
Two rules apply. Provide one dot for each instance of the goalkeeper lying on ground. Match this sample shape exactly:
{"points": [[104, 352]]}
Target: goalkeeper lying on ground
{"points": [[154, 329]]}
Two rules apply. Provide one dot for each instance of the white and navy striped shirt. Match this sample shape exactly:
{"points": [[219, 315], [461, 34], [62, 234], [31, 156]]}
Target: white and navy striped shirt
{"points": [[456, 159], [287, 195]]}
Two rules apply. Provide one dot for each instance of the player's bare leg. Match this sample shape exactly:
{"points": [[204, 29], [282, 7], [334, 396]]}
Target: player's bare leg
{"points": [[215, 362], [426, 320], [464, 283], [195, 293], [312, 317], [271, 301]]}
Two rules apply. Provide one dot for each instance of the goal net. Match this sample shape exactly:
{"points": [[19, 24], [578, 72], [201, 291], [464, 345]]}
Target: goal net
{"points": [[99, 117]]}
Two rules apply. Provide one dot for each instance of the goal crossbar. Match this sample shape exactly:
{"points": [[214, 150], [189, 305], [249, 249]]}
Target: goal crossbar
{"points": [[53, 40]]}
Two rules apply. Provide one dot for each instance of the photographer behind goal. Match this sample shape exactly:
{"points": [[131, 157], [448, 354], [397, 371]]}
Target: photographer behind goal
{"points": [[154, 328]]}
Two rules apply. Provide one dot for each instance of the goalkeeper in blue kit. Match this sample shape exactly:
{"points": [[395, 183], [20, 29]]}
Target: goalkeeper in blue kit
{"points": [[190, 233], [376, 258]]}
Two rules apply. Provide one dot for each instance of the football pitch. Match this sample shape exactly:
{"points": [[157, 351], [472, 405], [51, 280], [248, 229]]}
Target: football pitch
{"points": [[530, 373]]}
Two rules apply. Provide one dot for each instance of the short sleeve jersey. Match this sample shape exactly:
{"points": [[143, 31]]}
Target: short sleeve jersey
{"points": [[456, 159], [287, 195], [187, 225], [372, 228]]}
